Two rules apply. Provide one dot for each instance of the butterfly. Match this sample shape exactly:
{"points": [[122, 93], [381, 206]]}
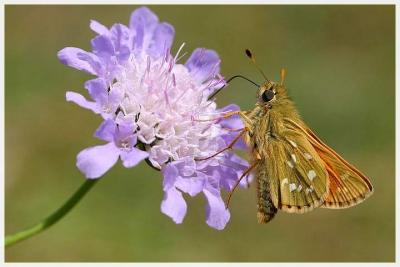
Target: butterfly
{"points": [[295, 170]]}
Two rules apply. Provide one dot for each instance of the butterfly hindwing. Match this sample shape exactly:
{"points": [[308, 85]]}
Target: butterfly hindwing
{"points": [[297, 174]]}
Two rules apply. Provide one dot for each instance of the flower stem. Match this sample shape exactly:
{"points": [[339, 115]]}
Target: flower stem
{"points": [[53, 218]]}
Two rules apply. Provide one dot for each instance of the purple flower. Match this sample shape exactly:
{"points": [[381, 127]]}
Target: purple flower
{"points": [[95, 161], [154, 107]]}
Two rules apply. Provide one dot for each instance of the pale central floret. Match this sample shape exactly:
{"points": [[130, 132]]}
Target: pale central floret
{"points": [[163, 99]]}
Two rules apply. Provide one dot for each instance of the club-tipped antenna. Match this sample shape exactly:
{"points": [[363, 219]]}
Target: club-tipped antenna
{"points": [[253, 59]]}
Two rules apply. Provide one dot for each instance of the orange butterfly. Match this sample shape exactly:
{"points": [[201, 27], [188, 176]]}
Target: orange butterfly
{"points": [[295, 171]]}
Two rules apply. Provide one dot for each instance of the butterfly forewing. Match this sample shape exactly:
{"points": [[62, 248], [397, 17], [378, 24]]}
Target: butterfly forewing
{"points": [[348, 186]]}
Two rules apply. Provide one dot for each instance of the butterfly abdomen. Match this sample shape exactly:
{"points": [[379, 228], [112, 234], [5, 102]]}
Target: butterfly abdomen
{"points": [[265, 206]]}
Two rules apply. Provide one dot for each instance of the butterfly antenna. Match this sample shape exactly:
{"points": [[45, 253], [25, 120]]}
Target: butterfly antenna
{"points": [[253, 59], [283, 75]]}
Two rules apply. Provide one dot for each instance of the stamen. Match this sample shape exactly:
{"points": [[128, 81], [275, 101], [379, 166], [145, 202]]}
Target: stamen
{"points": [[179, 97], [179, 50], [214, 83], [184, 54], [214, 68], [171, 65], [123, 109], [148, 64], [173, 80], [167, 99]]}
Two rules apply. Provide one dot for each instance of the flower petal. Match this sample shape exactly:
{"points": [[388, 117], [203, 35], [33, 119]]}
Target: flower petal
{"points": [[229, 137], [133, 157], [186, 166], [80, 59], [228, 177], [115, 96], [102, 46], [97, 160], [97, 89], [235, 162], [162, 40], [143, 21], [159, 155], [106, 131], [231, 170], [81, 101], [203, 64], [121, 38], [217, 216], [245, 183], [174, 205], [124, 135], [240, 165], [233, 122], [170, 174], [98, 27], [191, 185]]}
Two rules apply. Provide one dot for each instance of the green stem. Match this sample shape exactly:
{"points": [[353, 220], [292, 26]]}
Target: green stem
{"points": [[53, 218]]}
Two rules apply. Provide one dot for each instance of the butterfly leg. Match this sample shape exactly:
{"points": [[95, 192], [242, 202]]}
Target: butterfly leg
{"points": [[228, 114], [232, 130], [241, 113], [230, 146], [244, 174]]}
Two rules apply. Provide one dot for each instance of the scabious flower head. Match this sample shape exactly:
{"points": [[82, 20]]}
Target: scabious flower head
{"points": [[152, 108]]}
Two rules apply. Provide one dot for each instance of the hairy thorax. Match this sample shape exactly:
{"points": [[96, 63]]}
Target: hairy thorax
{"points": [[267, 125]]}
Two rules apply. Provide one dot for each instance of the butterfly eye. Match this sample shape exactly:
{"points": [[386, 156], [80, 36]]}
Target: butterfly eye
{"points": [[268, 95]]}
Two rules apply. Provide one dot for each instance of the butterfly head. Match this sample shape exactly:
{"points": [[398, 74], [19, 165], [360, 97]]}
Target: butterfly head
{"points": [[270, 93], [267, 93]]}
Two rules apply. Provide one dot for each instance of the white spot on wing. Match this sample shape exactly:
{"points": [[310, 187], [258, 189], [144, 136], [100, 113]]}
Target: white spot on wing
{"points": [[310, 189], [290, 164], [292, 187], [299, 188], [307, 156], [293, 157], [292, 143], [311, 175], [284, 181]]}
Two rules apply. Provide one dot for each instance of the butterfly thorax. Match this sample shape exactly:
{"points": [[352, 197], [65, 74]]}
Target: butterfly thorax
{"points": [[267, 118]]}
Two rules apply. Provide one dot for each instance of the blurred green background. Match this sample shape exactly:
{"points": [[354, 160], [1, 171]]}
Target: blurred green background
{"points": [[341, 74]]}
